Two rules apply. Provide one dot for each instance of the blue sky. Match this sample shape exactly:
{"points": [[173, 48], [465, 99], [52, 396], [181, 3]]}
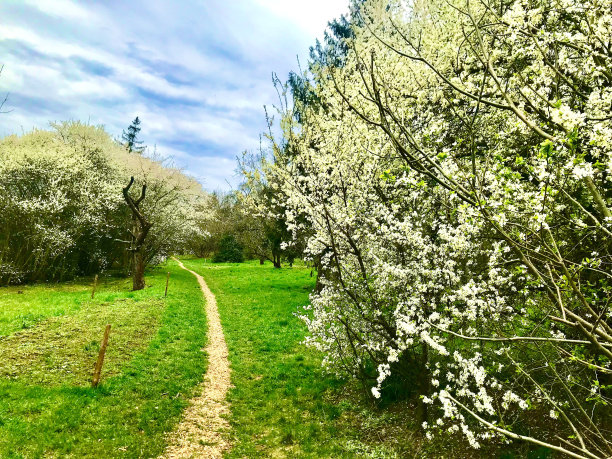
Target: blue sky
{"points": [[197, 73]]}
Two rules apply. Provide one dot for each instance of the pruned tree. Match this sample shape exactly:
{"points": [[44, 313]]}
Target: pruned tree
{"points": [[139, 232], [62, 212]]}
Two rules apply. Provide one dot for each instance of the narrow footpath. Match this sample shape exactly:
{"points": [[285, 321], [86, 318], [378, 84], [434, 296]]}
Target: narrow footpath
{"points": [[203, 432]]}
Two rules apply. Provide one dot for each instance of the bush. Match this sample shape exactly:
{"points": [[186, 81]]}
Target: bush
{"points": [[230, 251], [451, 163], [62, 212]]}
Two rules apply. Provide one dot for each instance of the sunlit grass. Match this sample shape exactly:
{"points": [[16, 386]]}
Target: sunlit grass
{"points": [[153, 364], [24, 306], [282, 403]]}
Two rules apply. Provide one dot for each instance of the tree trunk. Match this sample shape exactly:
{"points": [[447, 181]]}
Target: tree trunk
{"points": [[138, 270], [425, 382], [261, 261], [276, 258], [140, 229]]}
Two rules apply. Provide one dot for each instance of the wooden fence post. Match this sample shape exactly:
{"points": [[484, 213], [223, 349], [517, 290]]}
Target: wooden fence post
{"points": [[167, 280], [100, 361], [93, 290]]}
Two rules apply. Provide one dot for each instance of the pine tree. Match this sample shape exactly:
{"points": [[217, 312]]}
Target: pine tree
{"points": [[131, 137]]}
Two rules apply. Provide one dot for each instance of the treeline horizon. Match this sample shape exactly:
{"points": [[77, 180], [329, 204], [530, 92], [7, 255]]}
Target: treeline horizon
{"points": [[63, 212]]}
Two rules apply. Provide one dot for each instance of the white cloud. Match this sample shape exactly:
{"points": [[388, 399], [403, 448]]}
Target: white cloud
{"points": [[216, 173], [63, 8], [312, 16], [196, 72]]}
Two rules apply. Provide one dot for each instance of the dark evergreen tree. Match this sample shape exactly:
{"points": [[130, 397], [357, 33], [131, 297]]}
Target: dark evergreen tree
{"points": [[230, 251], [131, 137]]}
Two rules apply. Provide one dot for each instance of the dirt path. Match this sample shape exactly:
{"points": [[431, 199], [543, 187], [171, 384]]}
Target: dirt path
{"points": [[203, 430]]}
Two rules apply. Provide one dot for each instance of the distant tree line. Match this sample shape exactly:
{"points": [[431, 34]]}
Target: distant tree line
{"points": [[63, 213], [232, 229]]}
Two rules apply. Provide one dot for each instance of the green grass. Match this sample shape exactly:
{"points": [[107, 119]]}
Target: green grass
{"points": [[282, 403], [153, 364], [23, 307], [63, 349]]}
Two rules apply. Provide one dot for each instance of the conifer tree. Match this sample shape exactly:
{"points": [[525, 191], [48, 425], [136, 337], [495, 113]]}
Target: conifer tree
{"points": [[131, 137]]}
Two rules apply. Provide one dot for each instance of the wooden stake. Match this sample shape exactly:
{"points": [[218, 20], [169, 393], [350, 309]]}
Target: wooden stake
{"points": [[93, 290], [167, 280], [100, 361]]}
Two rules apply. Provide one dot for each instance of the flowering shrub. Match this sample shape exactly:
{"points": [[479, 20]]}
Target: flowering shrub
{"points": [[453, 165], [61, 209]]}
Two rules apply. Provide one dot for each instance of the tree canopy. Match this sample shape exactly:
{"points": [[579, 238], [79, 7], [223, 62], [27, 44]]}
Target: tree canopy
{"points": [[451, 170], [63, 213]]}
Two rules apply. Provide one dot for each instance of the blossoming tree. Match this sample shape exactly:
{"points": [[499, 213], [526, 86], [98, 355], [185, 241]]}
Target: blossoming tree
{"points": [[62, 212], [454, 167]]}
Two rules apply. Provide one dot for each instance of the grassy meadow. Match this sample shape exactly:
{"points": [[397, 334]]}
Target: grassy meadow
{"points": [[282, 402], [49, 344]]}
